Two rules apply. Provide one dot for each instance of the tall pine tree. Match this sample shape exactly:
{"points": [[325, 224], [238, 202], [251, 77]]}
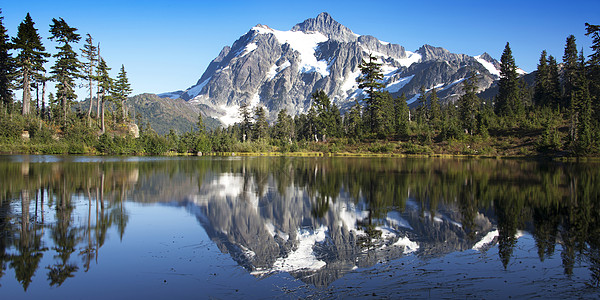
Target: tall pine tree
{"points": [[105, 85], [468, 104], [593, 31], [435, 113], [571, 68], [370, 82], [261, 127], [30, 58], [246, 122], [122, 91], [67, 67], [554, 82], [7, 67], [507, 101], [90, 53], [541, 96]]}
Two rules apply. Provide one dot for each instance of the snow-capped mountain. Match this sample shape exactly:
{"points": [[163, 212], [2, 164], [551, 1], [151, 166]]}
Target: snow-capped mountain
{"points": [[280, 69]]}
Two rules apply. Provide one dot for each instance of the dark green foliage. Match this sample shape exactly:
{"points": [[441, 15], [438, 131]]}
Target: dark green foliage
{"points": [[67, 66], [402, 115], [421, 112], [468, 104], [29, 60], [570, 70], [260, 128], [370, 82], [508, 102], [90, 53], [284, 128], [246, 122], [121, 91], [354, 122], [542, 95], [435, 110], [7, 67], [328, 121]]}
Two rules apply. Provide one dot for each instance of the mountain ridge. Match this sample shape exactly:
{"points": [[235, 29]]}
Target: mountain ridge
{"points": [[281, 69]]}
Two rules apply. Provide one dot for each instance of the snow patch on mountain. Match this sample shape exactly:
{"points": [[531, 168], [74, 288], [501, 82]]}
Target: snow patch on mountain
{"points": [[488, 65], [274, 70], [396, 85], [304, 43], [195, 90], [231, 113]]}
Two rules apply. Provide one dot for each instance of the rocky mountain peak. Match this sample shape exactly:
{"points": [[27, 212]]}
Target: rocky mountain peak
{"points": [[329, 27]]}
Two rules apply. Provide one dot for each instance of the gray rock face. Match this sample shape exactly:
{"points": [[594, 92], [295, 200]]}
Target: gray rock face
{"points": [[281, 69]]}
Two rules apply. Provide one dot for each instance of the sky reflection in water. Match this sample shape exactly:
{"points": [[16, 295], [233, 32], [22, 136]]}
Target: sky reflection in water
{"points": [[278, 227]]}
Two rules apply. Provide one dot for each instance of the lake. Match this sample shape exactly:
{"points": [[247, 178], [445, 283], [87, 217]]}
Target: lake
{"points": [[84, 227]]}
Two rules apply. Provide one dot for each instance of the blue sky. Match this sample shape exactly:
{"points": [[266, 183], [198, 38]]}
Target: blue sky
{"points": [[167, 45]]}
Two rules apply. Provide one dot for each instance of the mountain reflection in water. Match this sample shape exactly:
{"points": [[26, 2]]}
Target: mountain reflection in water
{"points": [[314, 218]]}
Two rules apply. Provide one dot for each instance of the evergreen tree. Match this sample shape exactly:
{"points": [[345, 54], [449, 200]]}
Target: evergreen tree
{"points": [[554, 82], [90, 53], [7, 67], [468, 104], [354, 122], [67, 66], [105, 85], [434, 109], [594, 66], [507, 101], [570, 68], [324, 120], [246, 122], [261, 127], [122, 91], [582, 106], [402, 114], [30, 58], [370, 83], [387, 115], [284, 128], [541, 95], [421, 114]]}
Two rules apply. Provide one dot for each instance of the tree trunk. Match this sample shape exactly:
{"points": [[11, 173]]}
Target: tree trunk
{"points": [[91, 100], [26, 93], [44, 96], [102, 103]]}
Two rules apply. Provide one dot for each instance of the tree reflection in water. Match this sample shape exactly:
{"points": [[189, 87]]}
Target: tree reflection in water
{"points": [[443, 205]]}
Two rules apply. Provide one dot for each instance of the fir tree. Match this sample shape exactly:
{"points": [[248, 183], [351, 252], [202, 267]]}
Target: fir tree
{"points": [[402, 114], [90, 53], [554, 82], [105, 85], [469, 103], [354, 122], [421, 114], [582, 106], [284, 129], [434, 109], [570, 68], [30, 58], [593, 31], [66, 69], [246, 122], [370, 82], [261, 127], [122, 91], [325, 121], [541, 95], [7, 67], [507, 101]]}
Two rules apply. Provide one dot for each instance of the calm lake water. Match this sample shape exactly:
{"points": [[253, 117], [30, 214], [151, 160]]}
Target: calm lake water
{"points": [[256, 227]]}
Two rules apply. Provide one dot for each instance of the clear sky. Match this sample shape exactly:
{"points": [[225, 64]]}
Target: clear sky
{"points": [[167, 45]]}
